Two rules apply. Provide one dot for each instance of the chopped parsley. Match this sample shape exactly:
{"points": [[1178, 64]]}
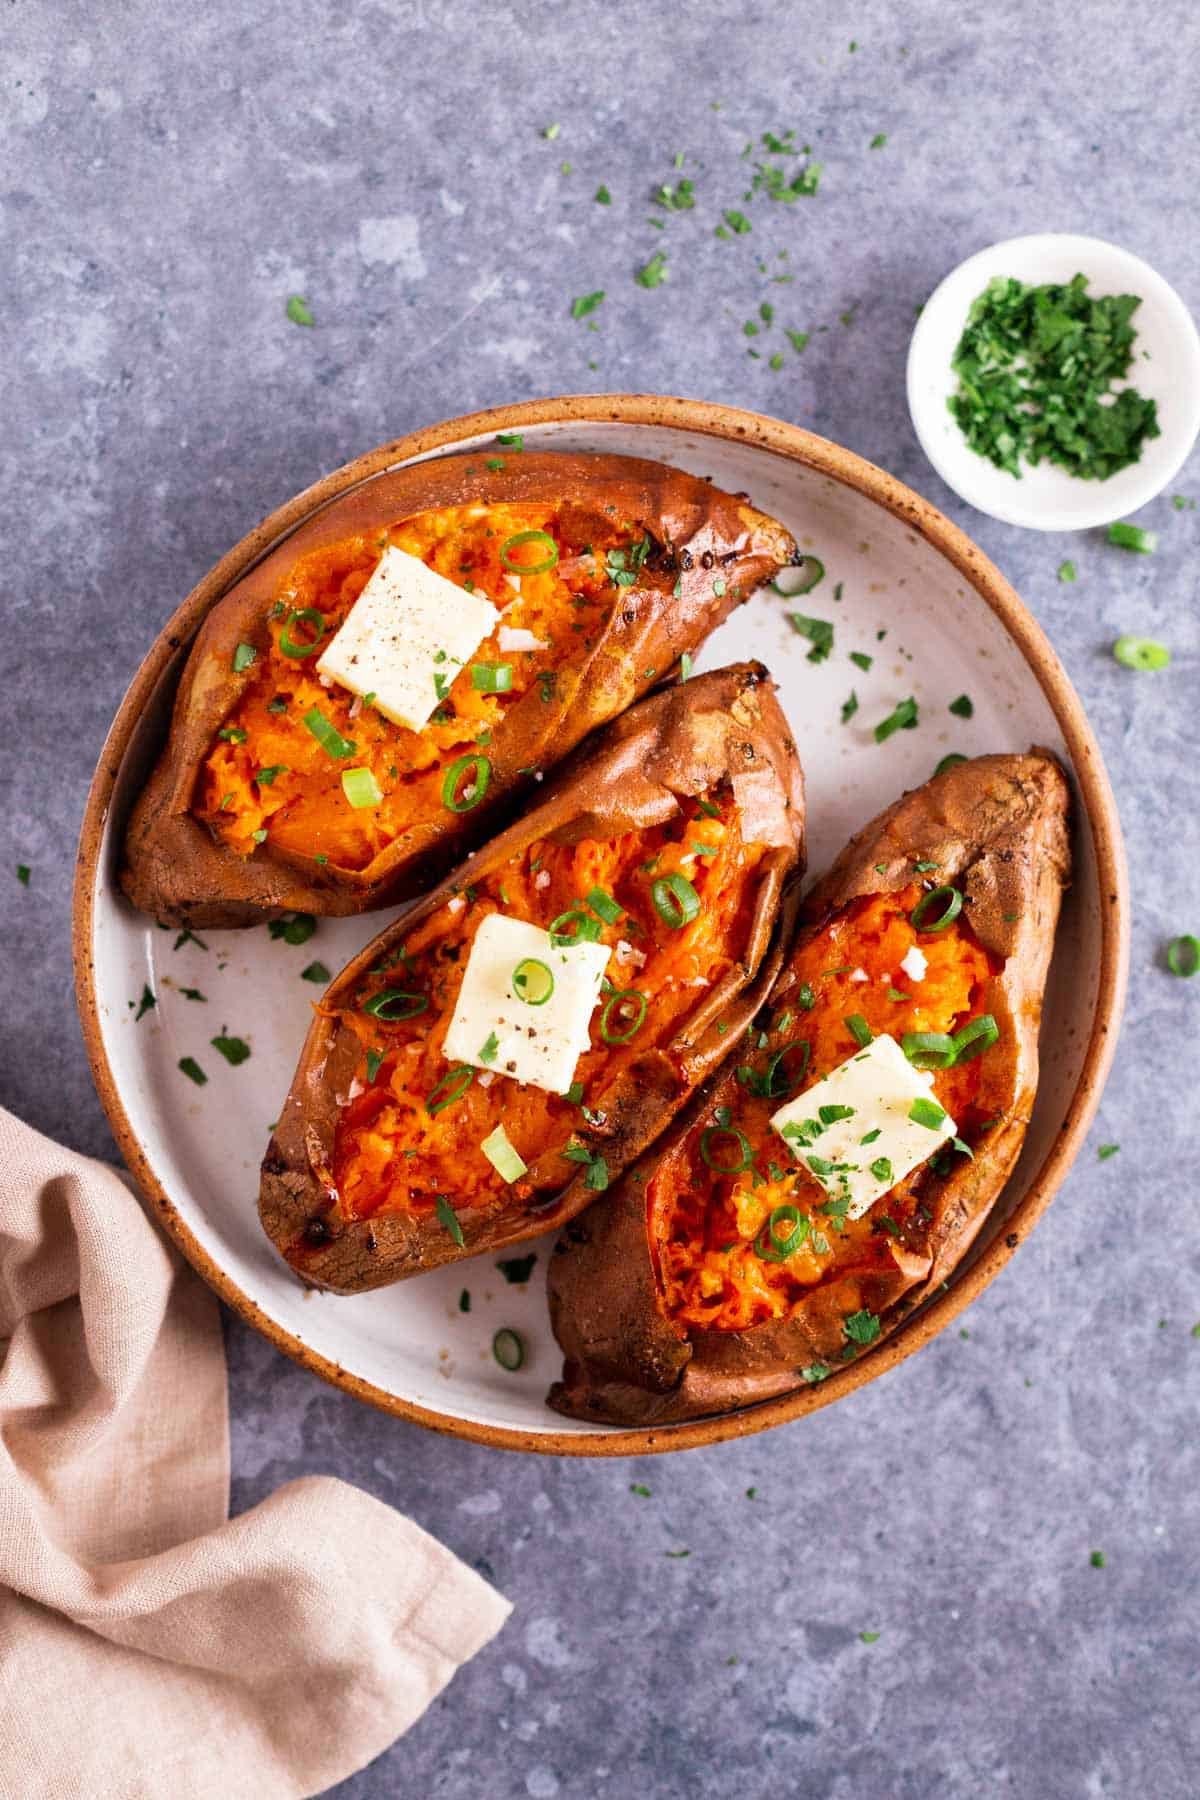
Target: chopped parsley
{"points": [[1036, 367], [1067, 571], [963, 707], [653, 273], [191, 1068], [586, 303], [849, 707], [23, 874], [819, 633], [1107, 1150], [146, 1002], [316, 971], [235, 1050], [903, 718], [298, 310], [861, 1327]]}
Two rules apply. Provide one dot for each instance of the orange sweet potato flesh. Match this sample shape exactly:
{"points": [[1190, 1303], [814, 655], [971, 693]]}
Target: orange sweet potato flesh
{"points": [[376, 1169], [245, 815], [661, 1298]]}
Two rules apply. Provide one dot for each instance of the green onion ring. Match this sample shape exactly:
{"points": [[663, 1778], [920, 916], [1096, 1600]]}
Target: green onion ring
{"points": [[587, 929], [491, 678], [482, 775], [622, 1037], [380, 1004], [532, 981], [929, 1049], [529, 537], [304, 615], [949, 762], [675, 900], [772, 1248], [745, 1154], [1141, 653], [770, 1091], [808, 573], [456, 1082], [508, 1349], [953, 906], [1183, 956], [975, 1038]]}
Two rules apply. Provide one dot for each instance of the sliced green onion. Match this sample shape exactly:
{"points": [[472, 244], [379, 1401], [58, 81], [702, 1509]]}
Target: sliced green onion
{"points": [[316, 971], [771, 1073], [1141, 653], [529, 537], [503, 1158], [306, 615], [948, 898], [881, 1169], [327, 735], [1183, 956], [491, 678], [395, 1005], [1132, 537], [709, 1156], [799, 578], [858, 1028], [479, 770], [573, 927], [532, 981], [243, 656], [451, 1087], [508, 1349], [927, 1112], [361, 788], [374, 1059], [675, 900], [975, 1038], [770, 1245], [928, 1049], [604, 906], [630, 1023], [949, 762], [448, 1220]]}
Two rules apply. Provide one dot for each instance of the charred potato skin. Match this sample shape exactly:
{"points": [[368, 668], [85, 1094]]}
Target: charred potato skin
{"points": [[998, 827], [713, 545], [679, 741]]}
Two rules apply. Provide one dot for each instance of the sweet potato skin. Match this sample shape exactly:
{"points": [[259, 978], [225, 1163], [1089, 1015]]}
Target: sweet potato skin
{"points": [[679, 741], [717, 548], [997, 827]]}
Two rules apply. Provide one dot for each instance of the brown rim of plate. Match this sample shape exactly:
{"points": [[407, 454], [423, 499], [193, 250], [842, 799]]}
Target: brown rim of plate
{"points": [[711, 420]]}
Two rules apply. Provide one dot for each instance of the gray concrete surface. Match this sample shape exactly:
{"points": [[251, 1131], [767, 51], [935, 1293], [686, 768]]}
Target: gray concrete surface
{"points": [[169, 176]]}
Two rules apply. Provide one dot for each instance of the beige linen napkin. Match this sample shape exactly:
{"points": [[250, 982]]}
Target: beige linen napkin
{"points": [[149, 1644]]}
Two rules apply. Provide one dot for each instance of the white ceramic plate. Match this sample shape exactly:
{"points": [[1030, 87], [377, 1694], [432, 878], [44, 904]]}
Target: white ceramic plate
{"points": [[892, 595], [1166, 369]]}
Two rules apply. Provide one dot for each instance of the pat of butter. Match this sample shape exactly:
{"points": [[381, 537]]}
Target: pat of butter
{"points": [[879, 1085], [493, 1028], [406, 637]]}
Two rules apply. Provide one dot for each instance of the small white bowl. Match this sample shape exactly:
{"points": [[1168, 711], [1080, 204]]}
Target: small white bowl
{"points": [[1047, 498]]}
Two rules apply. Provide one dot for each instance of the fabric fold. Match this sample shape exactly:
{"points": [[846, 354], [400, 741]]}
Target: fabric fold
{"points": [[149, 1644]]}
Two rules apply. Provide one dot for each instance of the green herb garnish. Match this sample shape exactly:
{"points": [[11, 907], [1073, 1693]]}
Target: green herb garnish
{"points": [[1036, 367]]}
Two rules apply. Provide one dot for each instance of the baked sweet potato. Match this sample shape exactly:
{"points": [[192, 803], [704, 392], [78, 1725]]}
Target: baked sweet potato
{"points": [[607, 568], [668, 841], [722, 1270]]}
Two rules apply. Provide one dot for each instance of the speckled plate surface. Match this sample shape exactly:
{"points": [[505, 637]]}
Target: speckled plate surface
{"points": [[903, 586]]}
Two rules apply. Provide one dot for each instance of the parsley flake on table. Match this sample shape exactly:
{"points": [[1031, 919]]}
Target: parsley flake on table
{"points": [[653, 273], [1036, 367], [298, 310], [1067, 571], [878, 141], [586, 303], [146, 1002], [23, 874]]}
